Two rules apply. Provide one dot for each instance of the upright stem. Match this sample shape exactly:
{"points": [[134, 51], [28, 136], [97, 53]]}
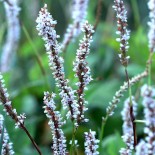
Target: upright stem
{"points": [[102, 132], [135, 12], [37, 56], [132, 117], [73, 140]]}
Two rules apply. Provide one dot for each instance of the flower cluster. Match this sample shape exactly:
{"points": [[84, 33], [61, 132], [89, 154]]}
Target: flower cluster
{"points": [[7, 148], [81, 67], [127, 124], [45, 26], [4, 99], [78, 16], [151, 23], [91, 143], [124, 35], [128, 133], [148, 94], [128, 139], [141, 148], [12, 12], [55, 123]]}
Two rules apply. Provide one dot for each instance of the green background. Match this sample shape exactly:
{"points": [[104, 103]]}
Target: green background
{"points": [[26, 83]]}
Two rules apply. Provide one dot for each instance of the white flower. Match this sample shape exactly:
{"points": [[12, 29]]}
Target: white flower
{"points": [[81, 68], [6, 144], [127, 124], [55, 123], [4, 99], [46, 28], [128, 134], [151, 24], [79, 13], [141, 148], [148, 94], [91, 143], [124, 34]]}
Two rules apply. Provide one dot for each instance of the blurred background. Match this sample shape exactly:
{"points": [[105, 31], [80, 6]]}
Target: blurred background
{"points": [[26, 80]]}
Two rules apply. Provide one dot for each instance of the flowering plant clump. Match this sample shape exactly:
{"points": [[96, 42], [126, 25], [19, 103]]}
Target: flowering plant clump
{"points": [[46, 26], [73, 127]]}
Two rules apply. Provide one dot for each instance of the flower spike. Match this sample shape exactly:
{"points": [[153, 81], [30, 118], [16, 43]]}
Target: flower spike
{"points": [[46, 28], [124, 34], [55, 123]]}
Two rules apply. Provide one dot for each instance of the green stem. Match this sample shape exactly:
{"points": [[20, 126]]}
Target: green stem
{"points": [[149, 66], [140, 121], [135, 12], [102, 133], [149, 74], [73, 141]]}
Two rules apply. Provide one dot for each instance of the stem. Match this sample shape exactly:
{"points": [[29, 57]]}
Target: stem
{"points": [[136, 13], [149, 74], [129, 87], [140, 121], [132, 117], [30, 137], [8, 2], [73, 140], [98, 13], [102, 133]]}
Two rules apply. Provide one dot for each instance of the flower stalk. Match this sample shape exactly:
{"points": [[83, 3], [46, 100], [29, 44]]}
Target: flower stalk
{"points": [[46, 29], [82, 70]]}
